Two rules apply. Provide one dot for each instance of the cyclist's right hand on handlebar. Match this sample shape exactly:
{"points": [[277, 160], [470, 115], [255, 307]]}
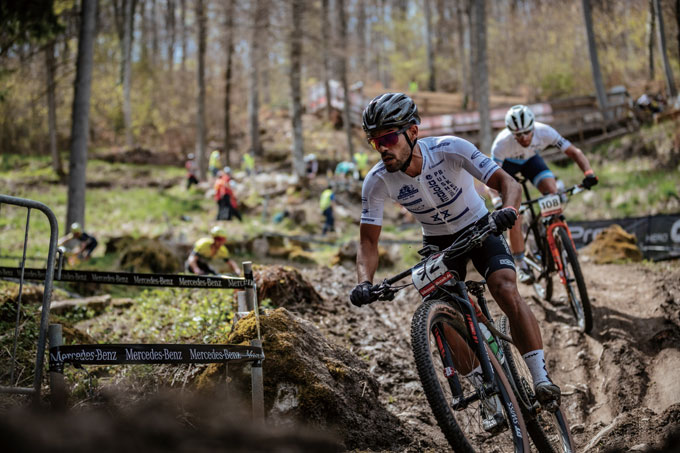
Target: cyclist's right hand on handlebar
{"points": [[502, 219], [361, 294]]}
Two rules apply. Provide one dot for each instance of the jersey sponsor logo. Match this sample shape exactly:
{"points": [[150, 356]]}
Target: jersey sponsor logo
{"points": [[484, 163], [364, 211], [437, 164], [406, 191], [446, 143], [475, 155]]}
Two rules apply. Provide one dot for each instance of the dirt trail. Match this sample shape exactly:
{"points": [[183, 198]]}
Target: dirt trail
{"points": [[620, 383]]}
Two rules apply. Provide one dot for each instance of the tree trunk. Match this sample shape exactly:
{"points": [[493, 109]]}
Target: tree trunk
{"points": [[183, 34], [154, 34], [200, 118], [170, 25], [432, 86], [342, 69], [128, 21], [482, 76], [229, 45], [75, 211], [594, 61], [253, 91], [668, 71], [651, 33], [50, 67], [361, 32], [464, 59], [325, 32], [295, 90], [677, 21], [472, 57]]}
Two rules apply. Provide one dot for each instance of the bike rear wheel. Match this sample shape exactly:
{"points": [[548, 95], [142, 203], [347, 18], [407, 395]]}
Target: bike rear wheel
{"points": [[549, 431], [437, 333], [575, 286]]}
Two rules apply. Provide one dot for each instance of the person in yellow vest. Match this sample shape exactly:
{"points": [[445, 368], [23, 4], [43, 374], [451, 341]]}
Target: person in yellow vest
{"points": [[248, 164], [326, 204], [214, 162], [207, 249], [361, 161]]}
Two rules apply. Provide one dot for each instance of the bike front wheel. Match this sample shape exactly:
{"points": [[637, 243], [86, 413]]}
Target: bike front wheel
{"points": [[462, 405], [537, 252], [549, 431], [574, 284]]}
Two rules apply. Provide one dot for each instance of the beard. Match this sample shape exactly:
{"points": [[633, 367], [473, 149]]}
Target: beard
{"points": [[393, 164]]}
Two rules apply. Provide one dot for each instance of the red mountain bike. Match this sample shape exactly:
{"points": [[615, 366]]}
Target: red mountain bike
{"points": [[549, 250]]}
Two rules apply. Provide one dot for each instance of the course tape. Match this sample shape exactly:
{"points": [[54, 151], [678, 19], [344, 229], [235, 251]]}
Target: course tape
{"points": [[122, 354], [128, 278]]}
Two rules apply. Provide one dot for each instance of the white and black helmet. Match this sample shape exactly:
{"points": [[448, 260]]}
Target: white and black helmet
{"points": [[390, 110], [519, 119]]}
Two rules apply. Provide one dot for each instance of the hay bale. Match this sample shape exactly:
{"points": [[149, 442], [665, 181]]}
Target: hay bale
{"points": [[613, 245]]}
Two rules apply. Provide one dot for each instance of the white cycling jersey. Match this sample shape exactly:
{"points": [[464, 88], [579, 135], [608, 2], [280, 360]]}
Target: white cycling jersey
{"points": [[505, 147], [442, 197]]}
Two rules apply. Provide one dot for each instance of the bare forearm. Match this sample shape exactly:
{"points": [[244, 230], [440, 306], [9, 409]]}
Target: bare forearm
{"points": [[510, 190], [577, 156], [367, 261]]}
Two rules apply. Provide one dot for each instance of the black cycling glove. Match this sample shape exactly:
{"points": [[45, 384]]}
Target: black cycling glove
{"points": [[589, 181], [361, 294], [502, 219]]}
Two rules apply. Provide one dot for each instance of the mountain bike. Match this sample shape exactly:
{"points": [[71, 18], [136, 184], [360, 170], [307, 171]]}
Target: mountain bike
{"points": [[549, 250], [470, 408]]}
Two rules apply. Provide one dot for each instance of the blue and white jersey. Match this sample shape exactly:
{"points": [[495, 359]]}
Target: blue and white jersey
{"points": [[442, 197], [505, 147]]}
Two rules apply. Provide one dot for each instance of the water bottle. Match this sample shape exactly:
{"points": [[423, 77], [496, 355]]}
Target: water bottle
{"points": [[491, 341]]}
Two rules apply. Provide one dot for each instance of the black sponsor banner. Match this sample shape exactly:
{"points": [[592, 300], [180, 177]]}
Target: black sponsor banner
{"points": [[128, 278], [121, 354], [658, 236]]}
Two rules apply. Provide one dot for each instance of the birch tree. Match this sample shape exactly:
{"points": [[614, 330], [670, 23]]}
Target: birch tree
{"points": [[342, 70], [229, 46], [50, 71], [482, 75]]}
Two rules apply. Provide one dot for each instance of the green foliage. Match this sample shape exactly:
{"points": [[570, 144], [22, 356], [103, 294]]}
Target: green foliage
{"points": [[174, 315], [24, 21]]}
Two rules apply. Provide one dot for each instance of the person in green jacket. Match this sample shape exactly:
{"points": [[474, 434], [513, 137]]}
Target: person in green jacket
{"points": [[326, 204], [248, 164], [361, 162], [214, 163]]}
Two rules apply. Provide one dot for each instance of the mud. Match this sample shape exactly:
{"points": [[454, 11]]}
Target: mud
{"points": [[620, 386]]}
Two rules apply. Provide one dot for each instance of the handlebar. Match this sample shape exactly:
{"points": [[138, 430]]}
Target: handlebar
{"points": [[475, 237], [573, 190]]}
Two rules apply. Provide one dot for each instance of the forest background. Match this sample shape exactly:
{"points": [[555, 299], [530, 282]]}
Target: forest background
{"points": [[180, 76]]}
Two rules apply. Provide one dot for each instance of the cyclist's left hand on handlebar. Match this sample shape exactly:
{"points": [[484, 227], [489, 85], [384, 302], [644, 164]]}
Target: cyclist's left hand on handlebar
{"points": [[590, 180], [361, 294], [502, 219]]}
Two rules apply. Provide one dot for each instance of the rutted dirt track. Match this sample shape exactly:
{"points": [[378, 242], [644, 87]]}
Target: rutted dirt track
{"points": [[620, 384]]}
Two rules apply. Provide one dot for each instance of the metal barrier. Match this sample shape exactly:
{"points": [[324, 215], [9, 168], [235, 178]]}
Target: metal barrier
{"points": [[118, 354], [47, 294]]}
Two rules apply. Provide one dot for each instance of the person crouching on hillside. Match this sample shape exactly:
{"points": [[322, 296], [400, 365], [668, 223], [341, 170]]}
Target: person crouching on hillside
{"points": [[86, 243], [207, 249], [227, 205]]}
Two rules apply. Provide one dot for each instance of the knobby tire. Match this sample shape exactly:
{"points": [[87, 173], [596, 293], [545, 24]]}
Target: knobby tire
{"points": [[579, 302], [549, 432], [543, 286], [460, 427]]}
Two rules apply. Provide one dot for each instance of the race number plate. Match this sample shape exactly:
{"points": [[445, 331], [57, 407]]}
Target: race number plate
{"points": [[429, 275], [549, 205]]}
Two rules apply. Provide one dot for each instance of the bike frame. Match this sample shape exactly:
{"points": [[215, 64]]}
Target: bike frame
{"points": [[552, 222]]}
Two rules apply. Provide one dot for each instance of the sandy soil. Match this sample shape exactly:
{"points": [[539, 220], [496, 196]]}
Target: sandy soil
{"points": [[620, 384]]}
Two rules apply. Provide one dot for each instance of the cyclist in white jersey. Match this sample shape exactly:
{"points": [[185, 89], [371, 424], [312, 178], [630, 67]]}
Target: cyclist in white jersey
{"points": [[517, 149], [433, 179]]}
